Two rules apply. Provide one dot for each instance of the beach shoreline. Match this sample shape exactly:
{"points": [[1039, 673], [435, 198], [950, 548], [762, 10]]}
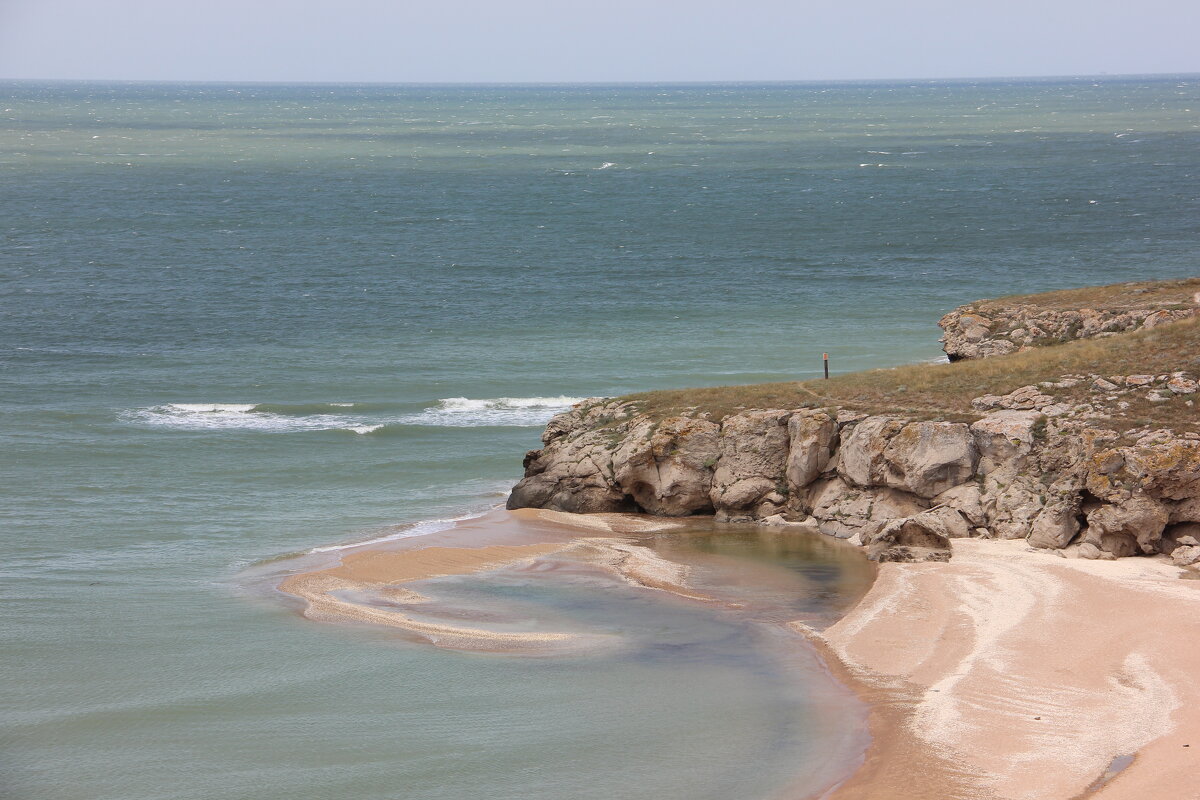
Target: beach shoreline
{"points": [[982, 677], [369, 584], [990, 677]]}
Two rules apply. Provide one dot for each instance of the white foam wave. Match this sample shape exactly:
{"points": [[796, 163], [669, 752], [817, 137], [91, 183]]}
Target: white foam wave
{"points": [[237, 416], [405, 532], [210, 408], [461, 412], [501, 411]]}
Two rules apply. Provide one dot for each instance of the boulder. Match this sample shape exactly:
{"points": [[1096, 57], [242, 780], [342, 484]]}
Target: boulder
{"points": [[945, 522], [752, 460], [965, 499], [1134, 526], [1005, 438], [808, 525], [1161, 465], [922, 458], [1057, 524], [668, 468], [842, 510], [916, 538], [1186, 556], [812, 436]]}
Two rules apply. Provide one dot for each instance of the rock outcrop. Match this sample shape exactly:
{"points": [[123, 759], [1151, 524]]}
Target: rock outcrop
{"points": [[992, 328], [1084, 463], [903, 489]]}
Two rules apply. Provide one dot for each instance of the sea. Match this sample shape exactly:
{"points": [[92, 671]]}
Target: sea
{"points": [[239, 322]]}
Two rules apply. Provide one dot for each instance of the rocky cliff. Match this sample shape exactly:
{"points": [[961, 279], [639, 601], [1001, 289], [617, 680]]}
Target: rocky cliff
{"points": [[1095, 466], [901, 488], [1009, 325]]}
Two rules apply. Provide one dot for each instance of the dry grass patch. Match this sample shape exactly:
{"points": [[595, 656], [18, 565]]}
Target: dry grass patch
{"points": [[945, 391], [1114, 297]]}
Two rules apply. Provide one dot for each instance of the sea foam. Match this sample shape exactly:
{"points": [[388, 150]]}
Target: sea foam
{"points": [[239, 416], [455, 412], [422, 528], [497, 411]]}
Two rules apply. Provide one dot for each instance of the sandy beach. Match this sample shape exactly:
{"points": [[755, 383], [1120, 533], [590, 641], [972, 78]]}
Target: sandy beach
{"points": [[1005, 674], [1014, 674]]}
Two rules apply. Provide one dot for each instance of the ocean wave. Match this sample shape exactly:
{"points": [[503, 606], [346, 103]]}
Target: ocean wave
{"points": [[497, 411], [457, 412], [422, 528], [242, 416]]}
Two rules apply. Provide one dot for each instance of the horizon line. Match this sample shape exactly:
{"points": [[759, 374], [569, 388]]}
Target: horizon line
{"points": [[631, 83]]}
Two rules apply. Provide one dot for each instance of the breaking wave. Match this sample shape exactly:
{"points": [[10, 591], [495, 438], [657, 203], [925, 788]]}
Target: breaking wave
{"points": [[356, 418], [498, 411]]}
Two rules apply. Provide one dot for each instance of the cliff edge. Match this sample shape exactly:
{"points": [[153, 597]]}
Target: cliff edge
{"points": [[1012, 324], [1090, 447]]}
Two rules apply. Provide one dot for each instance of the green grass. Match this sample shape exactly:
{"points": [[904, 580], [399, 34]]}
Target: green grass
{"points": [[1118, 296], [945, 391]]}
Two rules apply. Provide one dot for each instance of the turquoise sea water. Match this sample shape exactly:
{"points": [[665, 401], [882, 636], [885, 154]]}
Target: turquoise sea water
{"points": [[241, 321]]}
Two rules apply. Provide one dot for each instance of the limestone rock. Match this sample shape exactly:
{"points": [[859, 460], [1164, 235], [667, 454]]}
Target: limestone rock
{"points": [[1167, 469], [1181, 385], [944, 521], [965, 499], [1136, 525], [1186, 556], [812, 436], [668, 469], [842, 510], [1057, 524], [752, 461], [1005, 437], [973, 331], [917, 538], [808, 525], [923, 458]]}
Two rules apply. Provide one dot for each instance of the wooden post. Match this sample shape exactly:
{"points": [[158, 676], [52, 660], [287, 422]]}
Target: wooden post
{"points": [[825, 358]]}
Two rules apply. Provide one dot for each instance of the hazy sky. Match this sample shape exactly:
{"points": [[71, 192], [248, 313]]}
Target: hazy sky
{"points": [[570, 40]]}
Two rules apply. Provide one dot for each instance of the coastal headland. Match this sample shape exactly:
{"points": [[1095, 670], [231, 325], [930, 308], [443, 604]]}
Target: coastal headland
{"points": [[1034, 508]]}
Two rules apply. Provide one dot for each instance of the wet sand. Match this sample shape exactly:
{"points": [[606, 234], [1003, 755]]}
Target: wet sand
{"points": [[369, 584], [386, 583], [1020, 675], [1005, 674]]}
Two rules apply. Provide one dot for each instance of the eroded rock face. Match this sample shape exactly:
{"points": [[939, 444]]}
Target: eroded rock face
{"points": [[751, 466], [1014, 474], [921, 537], [844, 510], [982, 330], [922, 458], [668, 469], [813, 437], [1134, 526]]}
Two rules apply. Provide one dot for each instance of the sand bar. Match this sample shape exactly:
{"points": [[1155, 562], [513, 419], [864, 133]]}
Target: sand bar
{"points": [[1005, 674], [368, 584]]}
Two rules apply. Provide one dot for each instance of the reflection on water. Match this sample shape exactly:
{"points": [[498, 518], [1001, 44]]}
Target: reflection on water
{"points": [[718, 696], [715, 694], [776, 574]]}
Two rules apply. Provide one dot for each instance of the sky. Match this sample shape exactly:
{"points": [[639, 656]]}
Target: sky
{"points": [[573, 41]]}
